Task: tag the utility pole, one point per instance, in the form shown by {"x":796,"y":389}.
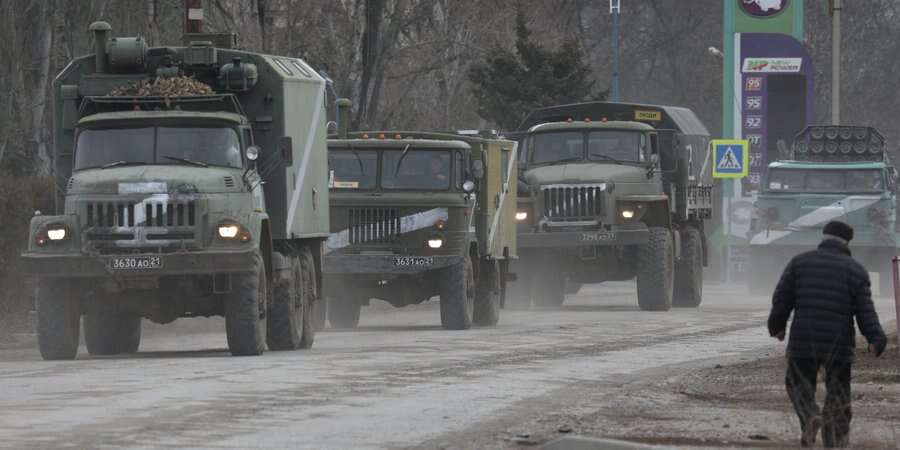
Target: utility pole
{"x":614,"y":12}
{"x":835,"y":11}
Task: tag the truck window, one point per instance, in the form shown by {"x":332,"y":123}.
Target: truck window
{"x":618,"y":145}
{"x":555,"y":147}
{"x":215,"y":146}
{"x":415,"y":169}
{"x":353,"y":169}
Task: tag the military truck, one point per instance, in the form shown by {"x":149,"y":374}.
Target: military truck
{"x":613,"y":191}
{"x":415,"y":215}
{"x":830,"y":172}
{"x":180,"y":205}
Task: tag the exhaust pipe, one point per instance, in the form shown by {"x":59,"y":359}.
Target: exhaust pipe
{"x":101,"y":36}
{"x":343,"y":112}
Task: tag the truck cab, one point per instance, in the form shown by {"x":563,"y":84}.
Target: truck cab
{"x":185,"y":196}
{"x":832,"y":173}
{"x":608,"y":192}
{"x":418,"y":214}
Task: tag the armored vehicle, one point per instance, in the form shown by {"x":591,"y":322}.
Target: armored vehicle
{"x":830,"y":172}
{"x":613,"y":191}
{"x":183,"y":202}
{"x":414,"y":215}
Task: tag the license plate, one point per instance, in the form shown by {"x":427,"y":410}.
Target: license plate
{"x":598,"y":236}
{"x":408,"y":261}
{"x":136,"y":263}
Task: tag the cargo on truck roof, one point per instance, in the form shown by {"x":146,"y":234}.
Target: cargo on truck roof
{"x":682,"y":120}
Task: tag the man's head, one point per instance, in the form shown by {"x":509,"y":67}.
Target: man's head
{"x":838,"y":230}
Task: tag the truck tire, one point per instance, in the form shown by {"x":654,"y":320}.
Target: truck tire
{"x":290,"y":319}
{"x":109,"y":333}
{"x":58,"y":320}
{"x":689,"y":270}
{"x":343,"y":311}
{"x":655,"y":271}
{"x":457,"y":289}
{"x":245,"y":311}
{"x":488,"y":295}
{"x":550,"y":289}
{"x":310,"y":298}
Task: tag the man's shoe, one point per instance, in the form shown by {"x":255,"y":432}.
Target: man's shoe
{"x":809,"y":433}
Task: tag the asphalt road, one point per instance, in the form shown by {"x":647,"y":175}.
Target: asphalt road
{"x":398,"y":381}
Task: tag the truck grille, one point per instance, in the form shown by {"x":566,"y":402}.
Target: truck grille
{"x":573,"y":202}
{"x":373,"y":225}
{"x":153,"y":214}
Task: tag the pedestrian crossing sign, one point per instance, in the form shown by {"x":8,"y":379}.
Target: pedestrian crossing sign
{"x":731,"y":158}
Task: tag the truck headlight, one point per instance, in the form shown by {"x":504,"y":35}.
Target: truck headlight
{"x":435,"y":243}
{"x":56,"y":233}
{"x":521,"y":215}
{"x":233,"y":231}
{"x":632,"y":211}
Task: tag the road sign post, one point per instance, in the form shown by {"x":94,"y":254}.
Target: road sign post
{"x":896,"y":272}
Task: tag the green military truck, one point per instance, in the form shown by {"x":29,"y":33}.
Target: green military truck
{"x":181,"y":202}
{"x":414,"y":215}
{"x":831,"y":172}
{"x":613,"y":191}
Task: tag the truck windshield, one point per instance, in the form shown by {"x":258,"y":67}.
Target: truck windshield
{"x":825,"y":181}
{"x":415,"y":169}
{"x":214,"y":146}
{"x":352,"y":169}
{"x":604,"y":145}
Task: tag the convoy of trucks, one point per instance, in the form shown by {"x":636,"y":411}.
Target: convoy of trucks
{"x":199,"y":180}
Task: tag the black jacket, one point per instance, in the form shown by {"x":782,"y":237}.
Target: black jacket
{"x":826,"y":288}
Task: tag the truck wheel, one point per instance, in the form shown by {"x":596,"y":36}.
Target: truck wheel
{"x":290,"y":320}
{"x":59,"y":318}
{"x":343,"y":311}
{"x":311,"y":299}
{"x":107,"y":333}
{"x":488,"y":295}
{"x":689,"y":270}
{"x":655,"y":267}
{"x":245,"y":311}
{"x":457,"y":289}
{"x":549,"y":289}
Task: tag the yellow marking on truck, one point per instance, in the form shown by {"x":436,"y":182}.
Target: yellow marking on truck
{"x":654,"y":116}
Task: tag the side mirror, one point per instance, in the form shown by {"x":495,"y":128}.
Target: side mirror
{"x":252,"y":153}
{"x":654,"y":159}
{"x":468,"y":186}
{"x":478,"y":169}
{"x":286,"y":149}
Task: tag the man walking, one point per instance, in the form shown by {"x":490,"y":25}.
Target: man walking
{"x":825,"y":288}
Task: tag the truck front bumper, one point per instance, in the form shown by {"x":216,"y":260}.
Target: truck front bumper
{"x":617,"y":236}
{"x":98,"y":266}
{"x":386,"y":264}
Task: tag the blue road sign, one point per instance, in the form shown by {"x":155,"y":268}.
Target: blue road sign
{"x":731,"y":158}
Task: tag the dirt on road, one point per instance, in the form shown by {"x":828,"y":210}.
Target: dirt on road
{"x":737,"y":404}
